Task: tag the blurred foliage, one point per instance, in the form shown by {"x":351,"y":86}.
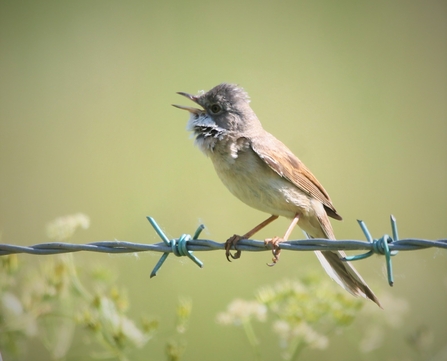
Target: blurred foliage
{"x":176,"y":347}
{"x":52,"y":302}
{"x":304,"y":313}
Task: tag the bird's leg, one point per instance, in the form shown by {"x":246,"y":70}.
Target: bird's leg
{"x":232,"y":241}
{"x":275,"y":241}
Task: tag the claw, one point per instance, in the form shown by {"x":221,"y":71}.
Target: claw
{"x":276,"y":250}
{"x":231,"y":243}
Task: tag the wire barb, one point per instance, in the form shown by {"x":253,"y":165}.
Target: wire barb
{"x":379,"y":246}
{"x":185,"y":245}
{"x":178,"y":246}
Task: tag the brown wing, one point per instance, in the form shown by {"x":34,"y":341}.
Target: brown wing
{"x":292,"y":169}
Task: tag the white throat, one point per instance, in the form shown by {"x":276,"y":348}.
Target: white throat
{"x":207,"y":133}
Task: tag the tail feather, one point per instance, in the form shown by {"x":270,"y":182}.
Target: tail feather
{"x":340,"y":271}
{"x":345,"y":274}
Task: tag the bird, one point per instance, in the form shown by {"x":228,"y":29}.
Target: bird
{"x":262,"y":172}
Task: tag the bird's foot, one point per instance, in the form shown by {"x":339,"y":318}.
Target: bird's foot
{"x":231,"y":243}
{"x":276,"y":251}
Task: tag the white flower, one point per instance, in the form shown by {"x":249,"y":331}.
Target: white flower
{"x":132,"y":332}
{"x":12,"y":304}
{"x":119,"y":324}
{"x":282,"y":329}
{"x":14,"y":315}
{"x":63,"y":228}
{"x":240,"y":311}
{"x":303,"y":331}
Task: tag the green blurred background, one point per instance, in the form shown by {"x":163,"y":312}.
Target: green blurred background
{"x":357,"y":90}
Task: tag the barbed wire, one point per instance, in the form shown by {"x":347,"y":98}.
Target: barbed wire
{"x":186,"y":244}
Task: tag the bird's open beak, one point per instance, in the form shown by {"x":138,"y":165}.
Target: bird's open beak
{"x":189,"y":109}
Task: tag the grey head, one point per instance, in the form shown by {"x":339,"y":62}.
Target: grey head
{"x":226,"y":111}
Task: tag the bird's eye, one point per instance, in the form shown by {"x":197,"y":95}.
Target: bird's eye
{"x":215,"y":108}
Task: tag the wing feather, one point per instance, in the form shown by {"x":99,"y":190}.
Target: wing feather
{"x":281,"y":160}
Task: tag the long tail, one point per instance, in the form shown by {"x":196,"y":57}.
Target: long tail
{"x":345,"y":274}
{"x":340,"y":271}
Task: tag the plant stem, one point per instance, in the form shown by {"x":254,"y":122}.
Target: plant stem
{"x":298,"y":348}
{"x":249,"y":332}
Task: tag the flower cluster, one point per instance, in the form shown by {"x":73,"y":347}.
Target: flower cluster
{"x":63,"y":228}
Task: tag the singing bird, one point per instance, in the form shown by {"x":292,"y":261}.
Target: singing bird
{"x":263,"y":173}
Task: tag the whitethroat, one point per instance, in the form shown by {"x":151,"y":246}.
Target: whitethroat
{"x":263,"y":173}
